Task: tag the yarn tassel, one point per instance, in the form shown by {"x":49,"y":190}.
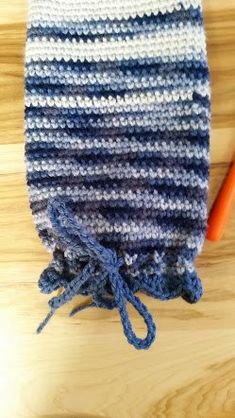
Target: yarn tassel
{"x":73,"y":236}
{"x":82,"y":308}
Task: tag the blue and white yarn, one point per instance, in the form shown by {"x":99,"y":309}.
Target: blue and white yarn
{"x":117,"y":124}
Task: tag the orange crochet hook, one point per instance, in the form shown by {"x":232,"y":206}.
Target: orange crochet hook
{"x":222,"y":207}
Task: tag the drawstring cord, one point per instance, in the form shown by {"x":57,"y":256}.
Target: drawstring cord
{"x":74,"y":237}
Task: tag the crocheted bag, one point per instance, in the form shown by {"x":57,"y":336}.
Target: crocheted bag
{"x":117,"y":110}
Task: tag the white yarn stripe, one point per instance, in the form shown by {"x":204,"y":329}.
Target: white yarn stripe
{"x":132,"y":231}
{"x":133,"y":120}
{"x":180,"y":42}
{"x":133,"y":101}
{"x":56,"y":11}
{"x":58,"y":167}
{"x":138,"y":111}
{"x":122,"y":145}
{"x":137,"y":199}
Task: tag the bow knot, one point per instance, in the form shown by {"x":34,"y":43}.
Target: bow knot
{"x":73,"y":236}
{"x":112,"y":262}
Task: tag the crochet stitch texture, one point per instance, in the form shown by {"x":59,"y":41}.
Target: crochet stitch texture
{"x":117,"y":123}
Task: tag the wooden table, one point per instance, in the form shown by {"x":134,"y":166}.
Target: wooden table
{"x":82,"y":366}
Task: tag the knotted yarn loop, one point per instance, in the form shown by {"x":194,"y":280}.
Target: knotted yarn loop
{"x":73,"y":236}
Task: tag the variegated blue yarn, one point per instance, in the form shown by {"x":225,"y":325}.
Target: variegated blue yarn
{"x":117,"y":123}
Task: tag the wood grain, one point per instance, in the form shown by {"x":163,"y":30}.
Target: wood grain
{"x":82,"y":366}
